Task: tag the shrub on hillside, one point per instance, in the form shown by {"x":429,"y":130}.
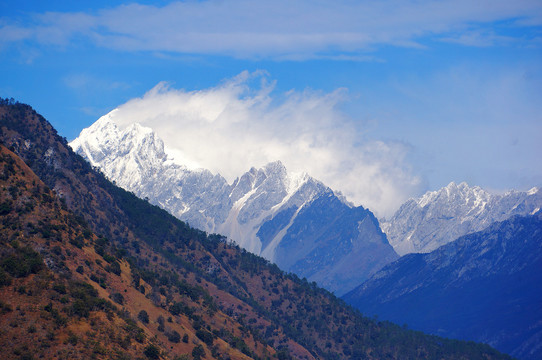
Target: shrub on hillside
{"x":143,"y":316}
{"x":152,"y":352}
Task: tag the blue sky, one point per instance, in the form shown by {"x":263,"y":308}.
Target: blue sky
{"x":412,"y":94}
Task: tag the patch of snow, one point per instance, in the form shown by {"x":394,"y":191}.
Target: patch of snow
{"x":446,"y":214}
{"x":269,"y":251}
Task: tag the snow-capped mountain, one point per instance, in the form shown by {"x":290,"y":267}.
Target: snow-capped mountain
{"x":438,"y":217}
{"x":484,"y":286}
{"x":291,"y":219}
{"x":135,"y":159}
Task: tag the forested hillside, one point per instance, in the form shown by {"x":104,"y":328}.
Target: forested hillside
{"x":104,"y":272}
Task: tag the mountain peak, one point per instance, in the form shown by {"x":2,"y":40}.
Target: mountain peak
{"x":459,"y":192}
{"x":438,"y":217}
{"x":291,"y":181}
{"x":143,"y":139}
{"x":258,"y":210}
{"x":104,"y":120}
{"x":275,"y":166}
{"x":137,"y":128}
{"x":97,"y":140}
{"x":454,"y":187}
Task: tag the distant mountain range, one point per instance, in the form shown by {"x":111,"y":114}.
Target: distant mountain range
{"x":422,"y":225}
{"x":482,"y":287}
{"x":485,"y":287}
{"x":292,"y":220}
{"x":89,"y":270}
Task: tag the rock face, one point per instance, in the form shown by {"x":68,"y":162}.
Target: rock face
{"x":483,"y":287}
{"x":438,"y":217}
{"x":136,"y":160}
{"x":290,"y":219}
{"x":330,"y":243}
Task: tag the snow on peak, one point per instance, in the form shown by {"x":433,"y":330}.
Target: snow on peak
{"x":97,"y":140}
{"x":441,"y":216}
{"x":103,"y":121}
{"x":426,"y":198}
{"x":137,"y":159}
{"x":142,"y":139}
{"x":138,"y":130}
{"x":275,"y":167}
{"x":295,"y":181}
{"x":453,"y":192}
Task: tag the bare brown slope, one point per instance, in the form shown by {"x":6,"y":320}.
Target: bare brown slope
{"x":217,"y":282}
{"x":67,"y":293}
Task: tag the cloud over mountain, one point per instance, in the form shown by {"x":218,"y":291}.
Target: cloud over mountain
{"x":243,"y":122}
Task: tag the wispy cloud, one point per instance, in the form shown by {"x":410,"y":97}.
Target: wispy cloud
{"x":479,"y":123}
{"x":485,"y":38}
{"x":243,"y":123}
{"x":277,"y":29}
{"x":86,"y":82}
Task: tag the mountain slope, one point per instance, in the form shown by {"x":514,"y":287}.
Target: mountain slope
{"x":237,"y":302}
{"x":438,"y":217}
{"x":67,"y":293}
{"x":334,"y":245}
{"x":484,"y":287}
{"x":262,"y":211}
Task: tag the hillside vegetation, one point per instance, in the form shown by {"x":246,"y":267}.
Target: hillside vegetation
{"x":104,"y":274}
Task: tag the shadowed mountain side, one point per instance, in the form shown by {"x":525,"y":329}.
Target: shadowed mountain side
{"x":483,"y":287}
{"x":323,"y":246}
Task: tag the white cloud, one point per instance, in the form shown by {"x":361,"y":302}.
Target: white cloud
{"x":481,"y":39}
{"x":85,"y":82}
{"x":243,"y":123}
{"x":278,"y":29}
